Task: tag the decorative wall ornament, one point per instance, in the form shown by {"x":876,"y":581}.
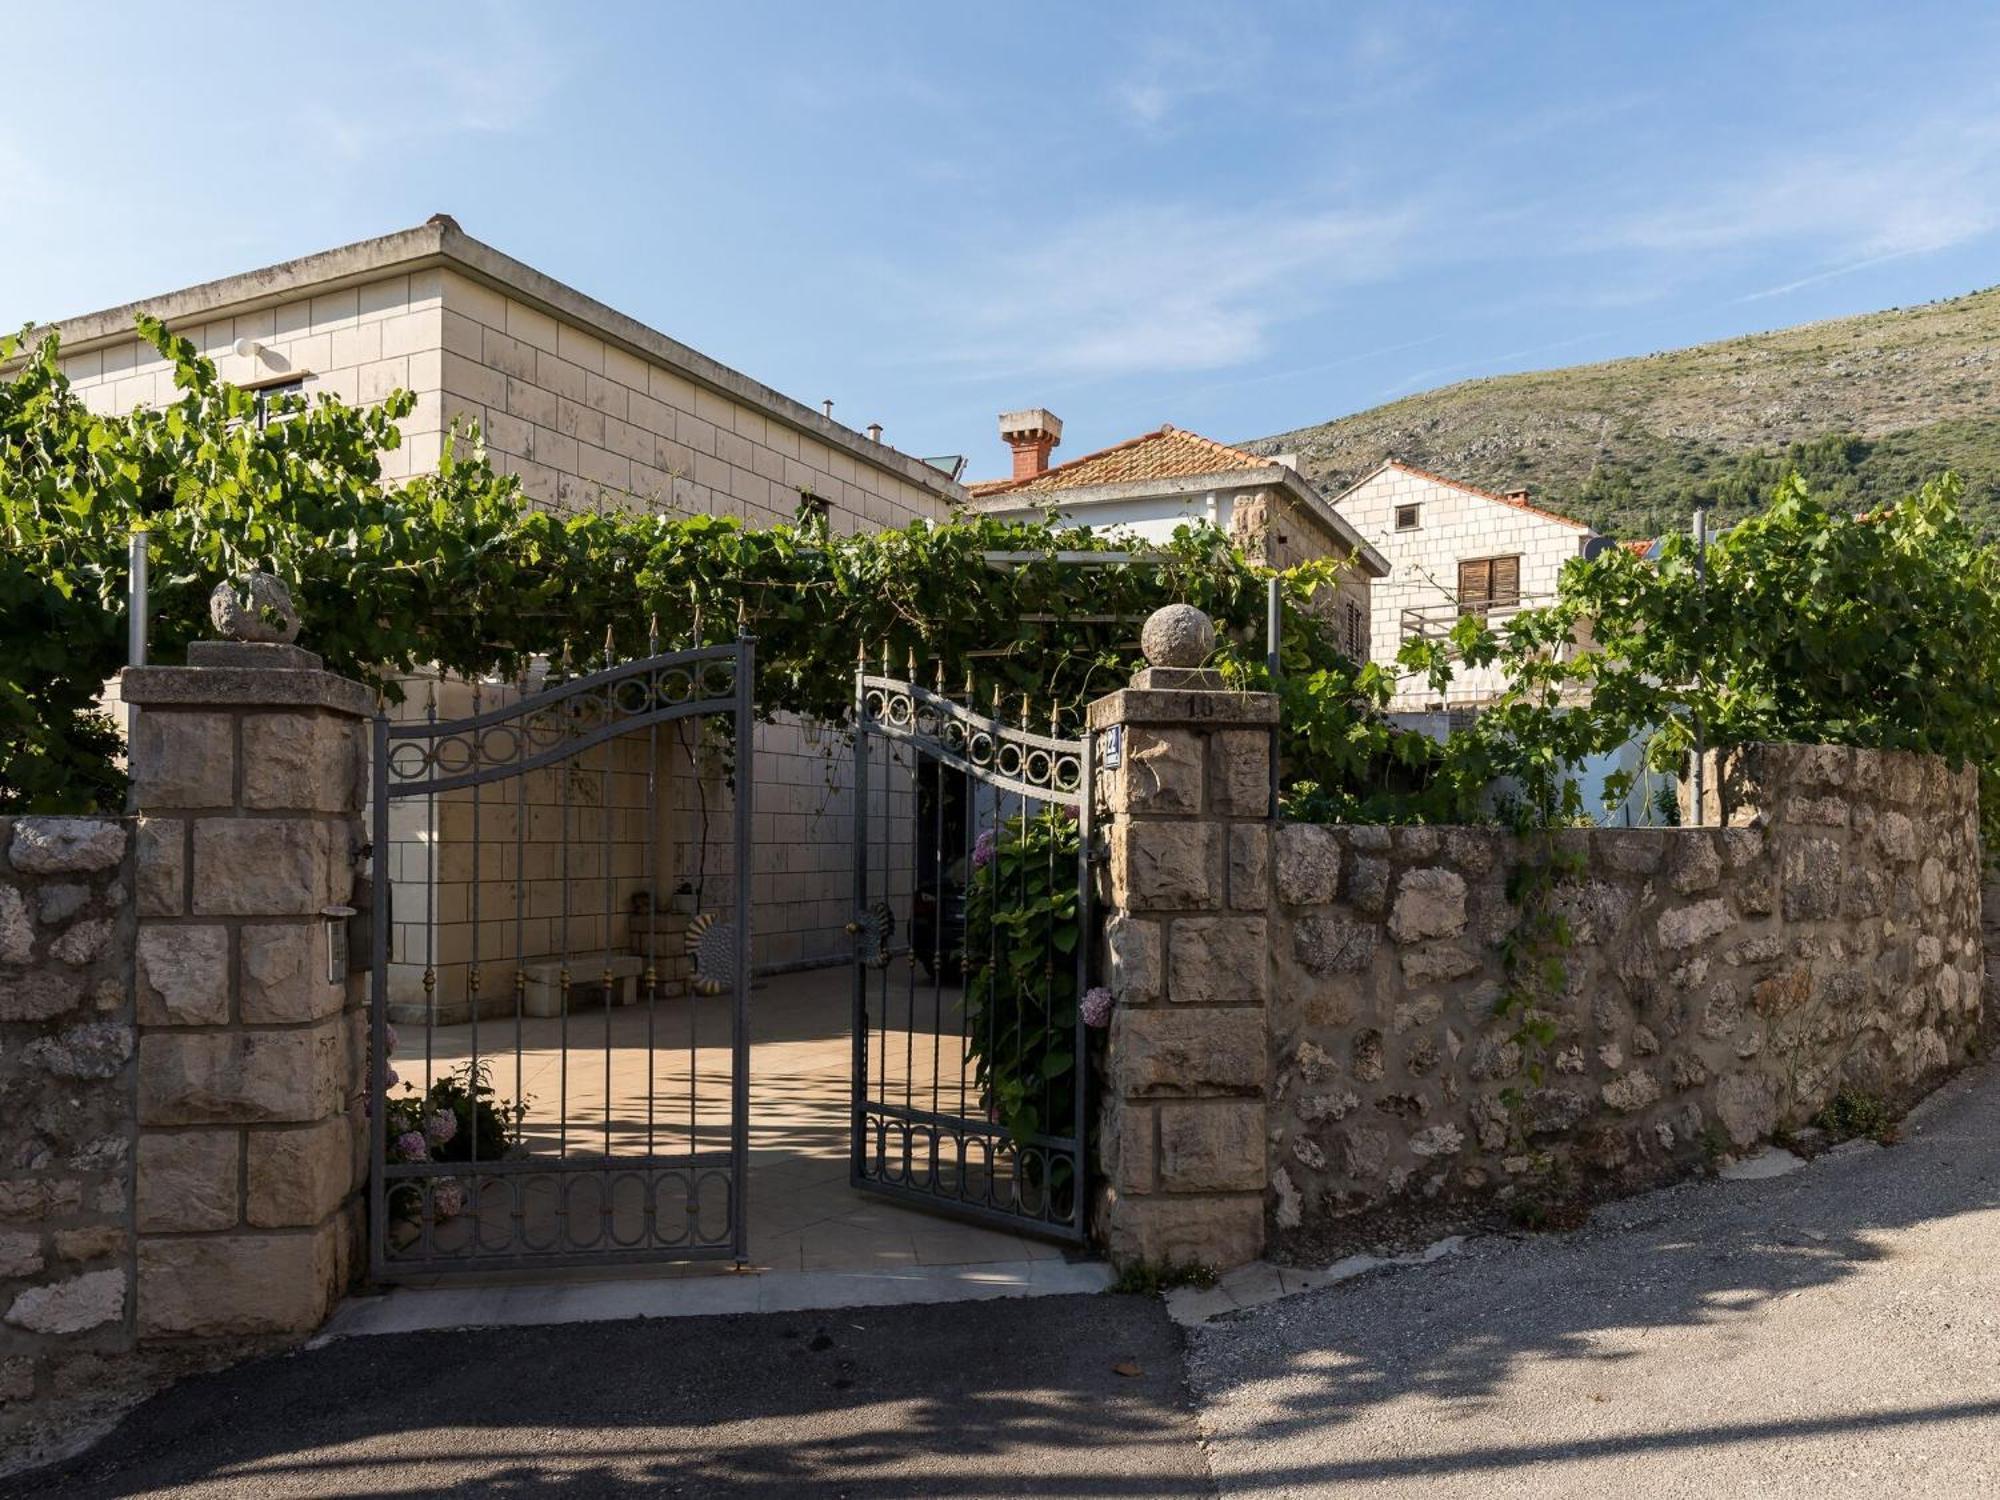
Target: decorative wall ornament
{"x":258,"y":608}
{"x":711,"y":948}
{"x":1177,"y":635}
{"x":873,"y":930}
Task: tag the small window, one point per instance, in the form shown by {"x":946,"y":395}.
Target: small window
{"x":1406,"y":517}
{"x":1488,"y":583}
{"x":1353,"y":637}
{"x":266,"y":399}
{"x":814,"y":511}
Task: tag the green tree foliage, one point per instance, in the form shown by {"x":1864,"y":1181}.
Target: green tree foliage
{"x":1842,"y":468}
{"x":1806,"y":622}
{"x":1022,"y":928}
{"x":453,"y":568}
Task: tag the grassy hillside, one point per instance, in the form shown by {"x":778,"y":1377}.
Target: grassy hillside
{"x":1865,"y":407}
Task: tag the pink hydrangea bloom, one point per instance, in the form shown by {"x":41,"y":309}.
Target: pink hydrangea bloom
{"x":410,"y":1144}
{"x":448,"y":1199}
{"x":983,"y":849}
{"x":440,"y":1127}
{"x":1097,"y":1006}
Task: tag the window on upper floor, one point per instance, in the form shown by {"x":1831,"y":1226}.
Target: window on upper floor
{"x":1408,"y":517}
{"x":1353,"y":632}
{"x":1487,"y":583}
{"x":813,"y":512}
{"x":267,"y":399}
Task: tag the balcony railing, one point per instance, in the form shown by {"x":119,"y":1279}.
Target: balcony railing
{"x":1434,"y":622}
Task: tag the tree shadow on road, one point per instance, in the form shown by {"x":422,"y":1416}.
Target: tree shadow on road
{"x":986,"y":1399}
{"x":1693,"y":1268}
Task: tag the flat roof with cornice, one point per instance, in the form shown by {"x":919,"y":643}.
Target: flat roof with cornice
{"x":440,"y":242}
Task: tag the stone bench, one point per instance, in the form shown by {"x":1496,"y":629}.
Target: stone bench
{"x":541,"y":994}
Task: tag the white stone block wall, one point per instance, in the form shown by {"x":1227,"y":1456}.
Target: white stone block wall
{"x":587,"y":425}
{"x":1454,"y":525}
{"x":359,"y":343}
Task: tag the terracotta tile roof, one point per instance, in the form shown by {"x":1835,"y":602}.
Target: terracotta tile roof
{"x":1171,"y":453}
{"x":1458,"y":484}
{"x":1639,"y":549}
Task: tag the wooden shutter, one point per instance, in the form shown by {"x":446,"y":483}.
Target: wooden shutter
{"x":1475,"y":585}
{"x":1487,"y":581}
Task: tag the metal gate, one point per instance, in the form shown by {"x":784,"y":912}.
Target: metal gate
{"x":971,"y":926}
{"x":572,"y":1049}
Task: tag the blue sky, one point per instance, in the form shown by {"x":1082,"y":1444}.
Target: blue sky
{"x":1240,"y":219}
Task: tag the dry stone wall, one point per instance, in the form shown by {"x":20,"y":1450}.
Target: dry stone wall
{"x":1722,"y":985}
{"x":66,"y":1116}
{"x":1990,"y":920}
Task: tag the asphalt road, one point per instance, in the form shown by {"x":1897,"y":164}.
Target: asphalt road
{"x":978,"y":1399}
{"x":1831,"y":1333}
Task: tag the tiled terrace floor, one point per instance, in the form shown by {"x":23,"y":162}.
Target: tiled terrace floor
{"x":803,"y":1216}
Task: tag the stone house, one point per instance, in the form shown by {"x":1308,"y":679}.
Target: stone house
{"x":592,"y":410}
{"x":1147,"y":486}
{"x":1453,"y":548}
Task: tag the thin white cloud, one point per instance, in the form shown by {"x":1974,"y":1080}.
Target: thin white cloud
{"x":1925,"y":190}
{"x":500,"y":74}
{"x":1160,"y":288}
{"x":1832,"y":273}
{"x":1202,"y":57}
{"x":24,"y":182}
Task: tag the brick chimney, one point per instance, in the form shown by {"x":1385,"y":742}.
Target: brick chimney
{"x":1519,"y":497}
{"x":1031,"y":434}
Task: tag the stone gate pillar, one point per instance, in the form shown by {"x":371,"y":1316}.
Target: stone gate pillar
{"x":1186,"y":800}
{"x":249,"y":773}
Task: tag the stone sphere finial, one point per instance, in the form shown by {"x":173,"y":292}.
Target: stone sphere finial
{"x":258,"y":608}
{"x":1178,"y":635}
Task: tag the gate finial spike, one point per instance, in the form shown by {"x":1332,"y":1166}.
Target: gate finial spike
{"x":565,"y":660}
{"x":431,"y":698}
{"x":610,"y":649}
{"x":970,"y":701}
{"x":940,"y":676}
{"x":653,"y":633}
{"x":1027,"y":712}
{"x":885,"y":656}
{"x":1055,"y":719}
{"x":911,"y":673}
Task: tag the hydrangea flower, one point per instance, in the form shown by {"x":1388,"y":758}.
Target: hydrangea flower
{"x":448,"y":1199}
{"x":440,"y":1127}
{"x":412,"y":1147}
{"x":984,"y":848}
{"x":1097,"y":1006}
